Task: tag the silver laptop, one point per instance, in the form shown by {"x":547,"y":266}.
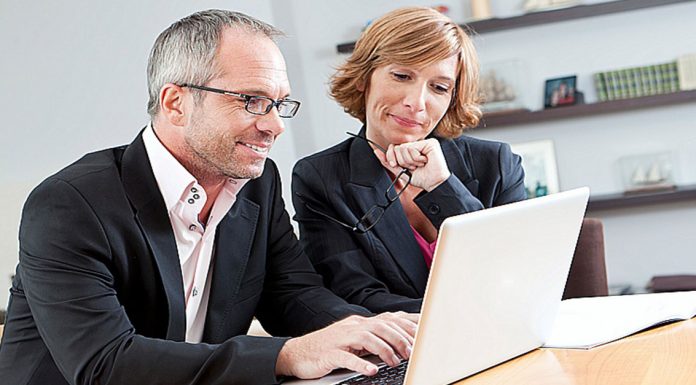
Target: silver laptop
{"x":494,"y":288}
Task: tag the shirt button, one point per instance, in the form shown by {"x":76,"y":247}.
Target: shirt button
{"x":434,"y":209}
{"x":195,"y":292}
{"x":196,"y":196}
{"x":193,"y":227}
{"x":194,"y":190}
{"x":191,"y":201}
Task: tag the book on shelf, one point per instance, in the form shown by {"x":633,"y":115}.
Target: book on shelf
{"x":659,"y":79}
{"x":612,"y":85}
{"x":624,"y":86}
{"x":647,"y":80}
{"x":636,"y":82}
{"x":600,"y":86}
{"x":686,"y":68}
{"x":583,"y":323}
{"x":673,"y":77}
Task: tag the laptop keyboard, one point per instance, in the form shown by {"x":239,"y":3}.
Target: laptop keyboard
{"x":386,"y":375}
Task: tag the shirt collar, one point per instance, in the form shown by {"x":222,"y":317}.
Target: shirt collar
{"x":173,"y":179}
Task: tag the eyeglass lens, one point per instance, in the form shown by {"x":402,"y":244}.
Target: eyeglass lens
{"x":370,"y":219}
{"x":393,"y":191}
{"x":261,"y":106}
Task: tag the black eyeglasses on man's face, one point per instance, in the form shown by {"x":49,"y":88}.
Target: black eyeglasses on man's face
{"x":255,"y":104}
{"x":376,"y":212}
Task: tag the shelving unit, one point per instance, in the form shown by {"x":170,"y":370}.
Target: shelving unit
{"x":515,"y":117}
{"x":623,"y":200}
{"x":551,"y":16}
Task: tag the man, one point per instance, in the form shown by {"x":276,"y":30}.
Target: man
{"x":145,"y":263}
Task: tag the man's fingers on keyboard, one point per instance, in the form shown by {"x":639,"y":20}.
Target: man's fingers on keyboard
{"x":355,"y":363}
{"x":376,"y":346}
{"x":413,"y":317}
{"x":396,"y":336}
{"x":405,"y":327}
{"x":404,"y":323}
{"x":390,"y":333}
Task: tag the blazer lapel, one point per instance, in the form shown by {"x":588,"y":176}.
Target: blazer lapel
{"x":151,"y":215}
{"x":457,"y":164}
{"x":233,"y":241}
{"x":368,"y":183}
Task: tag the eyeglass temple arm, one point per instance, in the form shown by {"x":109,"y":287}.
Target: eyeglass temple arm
{"x":368,"y":141}
{"x":327,"y":216}
{"x":405,"y":170}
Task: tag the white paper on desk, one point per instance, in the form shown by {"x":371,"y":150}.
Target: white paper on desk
{"x":583,"y":323}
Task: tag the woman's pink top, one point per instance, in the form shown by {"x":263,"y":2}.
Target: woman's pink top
{"x":428,"y":249}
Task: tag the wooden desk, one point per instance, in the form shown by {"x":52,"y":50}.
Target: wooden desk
{"x":664,"y":355}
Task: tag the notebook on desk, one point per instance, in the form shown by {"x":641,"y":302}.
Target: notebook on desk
{"x":494,"y":288}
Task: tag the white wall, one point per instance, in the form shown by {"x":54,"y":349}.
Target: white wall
{"x":73,"y":81}
{"x":640,"y":242}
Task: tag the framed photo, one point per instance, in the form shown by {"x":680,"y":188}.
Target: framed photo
{"x":539,"y":163}
{"x":560,"y":92}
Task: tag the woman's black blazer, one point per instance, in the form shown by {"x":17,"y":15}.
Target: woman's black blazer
{"x":384,"y":269}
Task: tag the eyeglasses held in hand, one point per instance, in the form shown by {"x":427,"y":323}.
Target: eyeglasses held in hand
{"x":376,"y":212}
{"x":255,"y":104}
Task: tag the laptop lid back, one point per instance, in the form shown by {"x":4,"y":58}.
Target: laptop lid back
{"x":495,"y":285}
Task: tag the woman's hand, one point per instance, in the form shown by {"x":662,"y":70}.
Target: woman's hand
{"x":423,"y":158}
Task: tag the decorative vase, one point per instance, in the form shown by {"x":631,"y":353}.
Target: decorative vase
{"x":481,"y":9}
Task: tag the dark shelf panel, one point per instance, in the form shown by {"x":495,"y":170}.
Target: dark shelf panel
{"x":622,"y":200}
{"x":499,"y":119}
{"x":551,"y":16}
{"x":570,"y":13}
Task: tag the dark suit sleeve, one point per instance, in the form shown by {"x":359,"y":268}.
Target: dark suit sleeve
{"x":295,"y":300}
{"x":335,"y":250}
{"x":453,"y":198}
{"x":65,"y":268}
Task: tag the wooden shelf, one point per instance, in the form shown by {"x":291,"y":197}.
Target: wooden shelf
{"x":515,"y":117}
{"x":551,"y":16}
{"x":570,"y":13}
{"x":622,"y":200}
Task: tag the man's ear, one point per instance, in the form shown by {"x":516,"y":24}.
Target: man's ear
{"x":172,"y":102}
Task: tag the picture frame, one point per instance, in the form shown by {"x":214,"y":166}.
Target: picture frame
{"x":540,"y":170}
{"x":560,"y":92}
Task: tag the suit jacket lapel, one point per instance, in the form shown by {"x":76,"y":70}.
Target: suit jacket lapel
{"x":151,"y":214}
{"x":368,"y":183}
{"x":458,"y":166}
{"x":233,"y":241}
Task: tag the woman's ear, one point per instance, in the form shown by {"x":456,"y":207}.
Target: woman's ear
{"x":361,"y":85}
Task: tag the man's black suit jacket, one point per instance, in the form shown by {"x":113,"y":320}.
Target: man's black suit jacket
{"x":98,"y":294}
{"x":384,"y":269}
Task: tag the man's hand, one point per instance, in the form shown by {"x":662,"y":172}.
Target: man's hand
{"x":388,"y":335}
{"x":423,"y":158}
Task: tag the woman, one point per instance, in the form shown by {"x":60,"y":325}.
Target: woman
{"x":369,"y":208}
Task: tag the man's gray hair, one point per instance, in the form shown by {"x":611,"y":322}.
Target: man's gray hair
{"x":185,"y":52}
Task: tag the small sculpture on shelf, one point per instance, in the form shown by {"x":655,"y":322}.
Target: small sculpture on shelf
{"x":647,"y":172}
{"x":542,"y":5}
{"x":501,"y":85}
{"x":538,"y":190}
{"x":481,"y":9}
{"x":496,"y":89}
